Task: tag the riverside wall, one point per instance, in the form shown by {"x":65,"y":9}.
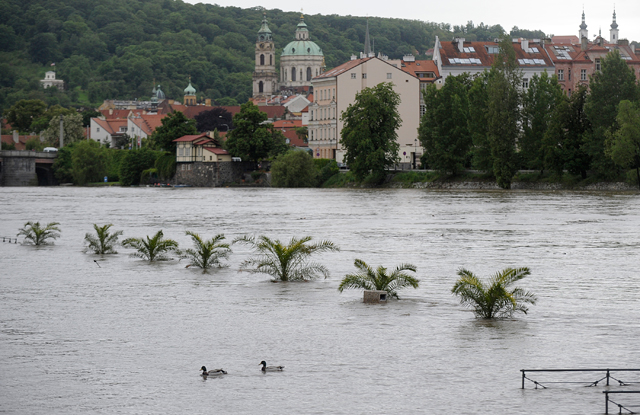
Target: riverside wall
{"x":199,"y":174}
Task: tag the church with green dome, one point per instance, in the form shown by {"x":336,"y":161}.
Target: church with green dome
{"x":300,"y":61}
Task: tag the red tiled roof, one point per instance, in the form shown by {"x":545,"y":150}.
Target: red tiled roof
{"x":22,"y":140}
{"x":148,"y":122}
{"x":111,"y":126}
{"x":417,"y":67}
{"x":216,"y":150}
{"x":272,"y":111}
{"x":287,"y":123}
{"x":482,"y":58}
{"x":115,"y":114}
{"x":565,"y":40}
{"x":293,"y":138}
{"x":188,"y":138}
{"x":342,"y":68}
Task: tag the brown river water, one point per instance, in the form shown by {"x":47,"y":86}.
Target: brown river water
{"x":122,"y":336}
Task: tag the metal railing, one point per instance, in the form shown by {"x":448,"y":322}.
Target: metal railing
{"x":606,"y":372}
{"x":620,"y":406}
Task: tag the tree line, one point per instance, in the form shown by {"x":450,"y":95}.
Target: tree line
{"x":114,"y":49}
{"x":492,"y":123}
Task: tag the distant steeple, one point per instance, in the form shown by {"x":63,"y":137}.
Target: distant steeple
{"x":583,"y":28}
{"x":613,"y":33}
{"x":367,"y":42}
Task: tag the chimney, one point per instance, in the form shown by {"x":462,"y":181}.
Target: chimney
{"x":207,"y":102}
{"x":409,"y":58}
{"x":584,"y":43}
{"x":16,"y":137}
{"x":110,"y":111}
{"x":461,"y":44}
{"x":525,"y":45}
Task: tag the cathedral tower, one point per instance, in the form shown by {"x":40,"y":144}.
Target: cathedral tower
{"x":583,"y":29}
{"x":613,"y":33}
{"x":265,"y":78}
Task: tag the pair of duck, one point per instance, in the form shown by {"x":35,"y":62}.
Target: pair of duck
{"x":218,"y":372}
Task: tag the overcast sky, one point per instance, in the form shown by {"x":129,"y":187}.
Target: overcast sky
{"x":562,"y":18}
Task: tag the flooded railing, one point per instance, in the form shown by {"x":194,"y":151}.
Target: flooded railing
{"x":607,"y":376}
{"x":620,"y":406}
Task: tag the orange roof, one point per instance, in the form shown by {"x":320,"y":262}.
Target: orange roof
{"x":114,"y":114}
{"x":418,"y":68}
{"x":148,"y":122}
{"x":287,"y":123}
{"x":565,"y":40}
{"x":342,"y":68}
{"x":272,"y":111}
{"x":22,"y":140}
{"x":111,"y":126}
{"x":188,"y":138}
{"x":536,"y":56}
{"x":216,"y":150}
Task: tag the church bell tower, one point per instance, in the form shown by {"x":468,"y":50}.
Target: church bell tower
{"x":265,"y":78}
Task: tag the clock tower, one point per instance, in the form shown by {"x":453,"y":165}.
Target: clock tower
{"x":265,"y":78}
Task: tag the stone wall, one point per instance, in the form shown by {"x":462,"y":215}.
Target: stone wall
{"x":18,"y":171}
{"x":218,"y":174}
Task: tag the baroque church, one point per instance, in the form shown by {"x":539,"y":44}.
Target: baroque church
{"x":300,"y":61}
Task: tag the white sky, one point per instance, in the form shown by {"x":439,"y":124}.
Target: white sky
{"x":558,"y":18}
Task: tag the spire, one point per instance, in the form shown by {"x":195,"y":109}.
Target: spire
{"x":614,"y":25}
{"x":583,"y":26}
{"x":367,"y":42}
{"x":264,"y":34}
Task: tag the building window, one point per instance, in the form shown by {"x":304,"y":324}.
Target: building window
{"x":525,"y":83}
{"x":98,"y":128}
{"x":560,"y":74}
{"x":293,"y":74}
{"x":308,"y":74}
{"x":493,"y":49}
{"x":262,"y":60}
{"x":389,"y":76}
{"x":569,"y":73}
{"x":423,"y":110}
{"x":598,"y":66}
{"x":353,"y":76}
{"x":583,"y":74}
{"x":364,"y":76}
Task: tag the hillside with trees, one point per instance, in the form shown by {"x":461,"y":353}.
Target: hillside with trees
{"x":115,"y":49}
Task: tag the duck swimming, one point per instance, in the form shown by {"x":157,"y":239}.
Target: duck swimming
{"x":266,"y":368}
{"x":213,"y":372}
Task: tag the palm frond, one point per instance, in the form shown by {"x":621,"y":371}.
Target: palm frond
{"x":379,"y":279}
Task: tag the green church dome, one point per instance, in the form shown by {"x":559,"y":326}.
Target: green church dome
{"x":302,"y":48}
{"x":189,"y":90}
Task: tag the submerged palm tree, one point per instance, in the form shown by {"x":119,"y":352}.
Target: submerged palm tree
{"x":151,"y":249}
{"x":103,"y":242}
{"x":286,"y":262}
{"x":369,"y":279}
{"x":34,"y":234}
{"x":207,"y":253}
{"x":494,"y":300}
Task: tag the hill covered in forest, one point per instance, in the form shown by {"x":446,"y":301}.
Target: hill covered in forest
{"x":105,"y":49}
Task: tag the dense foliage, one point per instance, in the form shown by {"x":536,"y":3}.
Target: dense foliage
{"x":207,"y":253}
{"x":294,"y":169}
{"x":154,"y":248}
{"x":369,"y":134}
{"x":103,"y":242}
{"x":115,"y":48}
{"x":36,"y":234}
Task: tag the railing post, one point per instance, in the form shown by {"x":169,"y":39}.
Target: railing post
{"x":606,"y":402}
{"x":522,"y":378}
{"x":607,"y":377}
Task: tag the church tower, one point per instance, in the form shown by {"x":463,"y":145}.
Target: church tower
{"x":190,"y":94}
{"x":583,"y":29}
{"x":265,"y":78}
{"x":613,"y":33}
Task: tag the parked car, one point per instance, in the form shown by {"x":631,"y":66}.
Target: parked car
{"x":50,"y":150}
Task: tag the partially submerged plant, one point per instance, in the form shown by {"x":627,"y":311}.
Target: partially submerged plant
{"x":369,"y":279}
{"x":103,"y":242}
{"x":34,"y":234}
{"x":207,"y":253}
{"x":151,"y":249}
{"x":494,"y":299}
{"x":288,"y":262}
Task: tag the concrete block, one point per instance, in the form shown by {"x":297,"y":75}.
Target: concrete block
{"x":375,"y":297}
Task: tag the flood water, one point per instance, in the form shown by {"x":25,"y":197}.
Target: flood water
{"x":122,"y":336}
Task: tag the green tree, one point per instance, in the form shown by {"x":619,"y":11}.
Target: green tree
{"x":22,"y":113}
{"x":294,"y":169}
{"x":166,"y":165}
{"x":134,"y":163}
{"x":35,"y":234}
{"x":44,"y":48}
{"x":71,"y":127}
{"x":251,"y":139}
{"x":327,"y":168}
{"x":215,"y":119}
{"x":478,"y":125}
{"x":503,"y":113}
{"x":539,"y":102}
{"x":288,"y":262}
{"x":494,"y":299}
{"x":614,"y":83}
{"x":444,"y":131}
{"x":207,"y":253}
{"x":379,"y":279}
{"x":623,"y":146}
{"x":63,"y":165}
{"x":34,"y":144}
{"x":369,"y":134}
{"x":89,"y":162}
{"x":103,"y":242}
{"x":173,"y":127}
{"x":151,"y":249}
